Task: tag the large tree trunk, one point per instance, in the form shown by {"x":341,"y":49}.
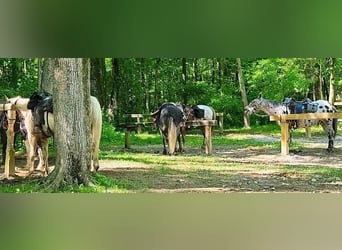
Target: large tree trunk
{"x":243,"y":92}
{"x":46,"y":74}
{"x":72,"y":122}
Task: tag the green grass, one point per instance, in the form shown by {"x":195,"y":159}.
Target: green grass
{"x":182,"y":169}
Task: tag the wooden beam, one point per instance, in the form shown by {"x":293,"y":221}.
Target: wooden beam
{"x":7,"y":106}
{"x":198,"y":123}
{"x":307,"y":116}
{"x":284,"y":138}
{"x":207,"y":139}
{"x":10,"y":160}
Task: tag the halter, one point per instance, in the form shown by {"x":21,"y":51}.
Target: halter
{"x":262,"y":116}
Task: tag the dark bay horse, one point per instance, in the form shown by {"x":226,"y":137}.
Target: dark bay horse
{"x":168,"y":118}
{"x":286,"y":107}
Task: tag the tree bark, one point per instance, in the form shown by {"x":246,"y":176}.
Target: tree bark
{"x":184,"y":80}
{"x":98,"y":79}
{"x":113,"y":102}
{"x":72,"y":122}
{"x":46,"y":75}
{"x":243,"y":92}
{"x":332,"y":86}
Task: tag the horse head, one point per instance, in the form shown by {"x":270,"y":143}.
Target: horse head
{"x":254,"y":106}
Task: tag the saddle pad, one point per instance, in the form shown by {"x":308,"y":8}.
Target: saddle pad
{"x":299,"y":108}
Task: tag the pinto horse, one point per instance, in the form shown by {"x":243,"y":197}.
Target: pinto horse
{"x":202,"y":112}
{"x":36,"y":138}
{"x":168,"y":118}
{"x":278,"y":108}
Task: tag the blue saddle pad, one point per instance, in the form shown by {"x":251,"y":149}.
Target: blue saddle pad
{"x":299,"y":108}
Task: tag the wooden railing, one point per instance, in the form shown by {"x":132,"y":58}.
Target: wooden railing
{"x":10,"y":159}
{"x":144,"y":121}
{"x":284,"y":124}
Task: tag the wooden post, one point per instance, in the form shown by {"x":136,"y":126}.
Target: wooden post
{"x":308,"y":132}
{"x":128,"y":138}
{"x":10,"y":160}
{"x":207,"y":139}
{"x":220,"y":116}
{"x":284,"y":138}
{"x":138,"y":116}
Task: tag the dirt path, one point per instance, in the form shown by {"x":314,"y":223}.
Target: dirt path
{"x":229,"y":169}
{"x":252,"y":175}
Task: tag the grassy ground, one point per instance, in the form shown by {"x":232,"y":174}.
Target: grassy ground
{"x":144,"y":169}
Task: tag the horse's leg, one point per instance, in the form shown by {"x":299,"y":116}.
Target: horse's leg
{"x":43,"y":155}
{"x":203,"y":133}
{"x":95,"y":154}
{"x":328,"y":128}
{"x":180,"y":143}
{"x":183,"y":131}
{"x":32,"y":145}
{"x":165,"y":143}
{"x":4,"y":145}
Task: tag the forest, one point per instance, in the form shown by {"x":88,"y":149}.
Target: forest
{"x":141,"y":85}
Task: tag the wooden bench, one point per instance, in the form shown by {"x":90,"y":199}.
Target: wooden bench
{"x":284,"y":125}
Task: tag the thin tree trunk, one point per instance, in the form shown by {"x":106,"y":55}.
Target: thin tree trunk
{"x":243,"y":92}
{"x":156,"y":89}
{"x":113,"y":102}
{"x":184,"y":80}
{"x":145,"y":85}
{"x":72,"y":122}
{"x":195,"y":66}
{"x":332,"y":86}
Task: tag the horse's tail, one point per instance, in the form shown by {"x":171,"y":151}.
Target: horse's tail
{"x":96,"y":130}
{"x":214,"y":114}
{"x":172,"y":136}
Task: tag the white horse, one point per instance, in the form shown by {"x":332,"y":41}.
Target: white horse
{"x":278,"y":108}
{"x":40,"y":140}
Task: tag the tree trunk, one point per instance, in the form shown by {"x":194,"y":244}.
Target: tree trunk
{"x":72,"y":122}
{"x":332,"y":86}
{"x":46,"y":74}
{"x":156,"y":88}
{"x":113,"y":102}
{"x":98,"y":79}
{"x":184,"y":79}
{"x":243,"y":92}
{"x":195,"y":66}
{"x":145,"y":85}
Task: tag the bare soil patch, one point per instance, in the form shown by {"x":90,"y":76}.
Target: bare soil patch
{"x":244,"y":177}
{"x":237,"y":169}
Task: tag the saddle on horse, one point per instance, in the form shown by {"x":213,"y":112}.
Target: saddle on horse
{"x":299,"y":107}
